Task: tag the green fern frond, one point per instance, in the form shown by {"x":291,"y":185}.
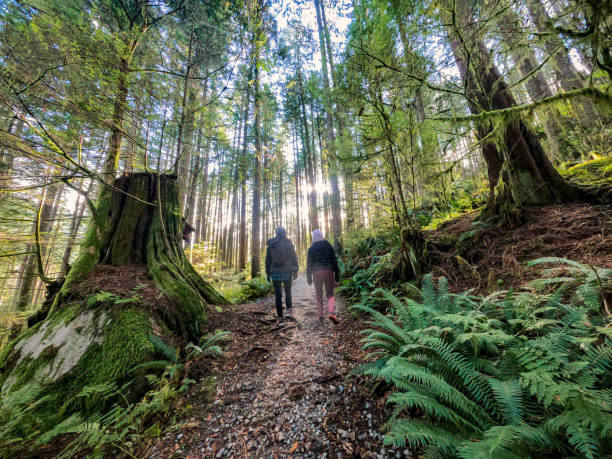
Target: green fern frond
{"x":418,"y":434}
{"x":498,"y":442}
{"x":509,"y":397}
{"x":557,"y":261}
{"x":161,"y":347}
{"x":157,"y":366}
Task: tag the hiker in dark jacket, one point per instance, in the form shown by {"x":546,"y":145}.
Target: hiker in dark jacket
{"x":323,"y":266}
{"x":281,"y":267}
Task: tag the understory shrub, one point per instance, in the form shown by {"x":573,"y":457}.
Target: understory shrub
{"x":509,"y":375}
{"x":249,"y":290}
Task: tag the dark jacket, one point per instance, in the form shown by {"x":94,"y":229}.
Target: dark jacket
{"x":281,"y":257}
{"x":321,"y":255}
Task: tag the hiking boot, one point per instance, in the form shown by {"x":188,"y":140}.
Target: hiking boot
{"x":334,"y":319}
{"x":289,"y":315}
{"x":280,"y":322}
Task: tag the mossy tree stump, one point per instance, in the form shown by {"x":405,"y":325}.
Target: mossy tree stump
{"x":91,"y":336}
{"x":139,"y":222}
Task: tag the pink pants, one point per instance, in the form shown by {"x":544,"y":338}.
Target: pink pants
{"x":324,"y":276}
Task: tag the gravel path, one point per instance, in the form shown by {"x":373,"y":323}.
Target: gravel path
{"x":285,"y":391}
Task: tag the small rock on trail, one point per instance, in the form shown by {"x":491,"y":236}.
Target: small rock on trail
{"x":285,"y":391}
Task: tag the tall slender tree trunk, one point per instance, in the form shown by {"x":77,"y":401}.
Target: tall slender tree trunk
{"x":313,"y":214}
{"x":202,"y":206}
{"x":242,"y":256}
{"x":296,"y":175}
{"x":330,"y":145}
{"x":73,"y":231}
{"x":256,"y":210}
{"x":183,"y":150}
{"x":114,"y":146}
{"x":48,"y":204}
{"x":536,"y":84}
{"x":7,"y":159}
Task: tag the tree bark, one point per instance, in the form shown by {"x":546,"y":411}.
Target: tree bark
{"x":519,"y":170}
{"x":256,"y":210}
{"x":114,"y":146}
{"x":537,"y":87}
{"x":307,"y":157}
{"x":7,"y":160}
{"x":243,"y":187}
{"x":75,"y":224}
{"x":49,"y":201}
{"x":330,"y":145}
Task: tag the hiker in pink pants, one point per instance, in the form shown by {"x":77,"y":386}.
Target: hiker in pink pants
{"x":323,"y":266}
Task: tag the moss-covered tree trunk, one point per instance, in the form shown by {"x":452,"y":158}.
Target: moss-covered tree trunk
{"x":129,"y":296}
{"x":139,"y":222}
{"x":519,"y":171}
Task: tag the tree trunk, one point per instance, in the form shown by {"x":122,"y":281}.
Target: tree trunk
{"x":137,"y":225}
{"x":255,"y":214}
{"x":75,"y":224}
{"x":7,"y":158}
{"x":185,"y":125}
{"x":330,"y":145}
{"x":519,"y":171}
{"x":30,"y":269}
{"x":537,"y":87}
{"x":313,"y":219}
{"x":114,"y":145}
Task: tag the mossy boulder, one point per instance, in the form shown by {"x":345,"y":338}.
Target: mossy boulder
{"x":57,"y":360}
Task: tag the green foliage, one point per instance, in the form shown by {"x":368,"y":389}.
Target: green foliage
{"x":106,"y":298}
{"x":369,"y":261}
{"x":594,"y":172}
{"x":477,"y":227}
{"x":161,"y":347}
{"x":508,"y":375}
{"x":249,"y":290}
{"x":588,"y":280}
{"x":210,"y":345}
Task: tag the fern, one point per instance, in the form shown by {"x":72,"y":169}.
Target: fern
{"x":507,"y":375}
{"x":164,"y":349}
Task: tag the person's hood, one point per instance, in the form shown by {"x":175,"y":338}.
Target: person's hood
{"x":281,"y":233}
{"x":317,"y":235}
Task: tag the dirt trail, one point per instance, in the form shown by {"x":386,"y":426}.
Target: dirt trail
{"x":285,"y":391}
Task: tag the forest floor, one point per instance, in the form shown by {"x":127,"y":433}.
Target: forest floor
{"x":494,"y":258}
{"x":284,"y":391}
{"x":288,"y":391}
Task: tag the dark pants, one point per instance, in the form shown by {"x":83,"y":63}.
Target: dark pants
{"x":279,"y":295}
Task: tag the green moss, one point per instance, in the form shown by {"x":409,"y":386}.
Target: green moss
{"x":33,"y":370}
{"x":125,"y":344}
{"x":63,"y":315}
{"x":189,"y":316}
{"x":595,"y":172}
{"x":89,"y":253}
{"x":8,"y":357}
